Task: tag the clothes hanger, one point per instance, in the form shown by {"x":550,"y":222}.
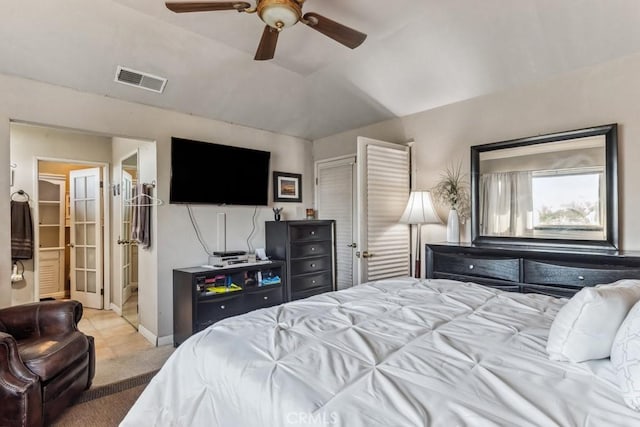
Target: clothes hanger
{"x":152,"y":201}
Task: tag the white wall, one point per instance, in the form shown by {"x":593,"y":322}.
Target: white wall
{"x":603,"y":94}
{"x":30,"y":101}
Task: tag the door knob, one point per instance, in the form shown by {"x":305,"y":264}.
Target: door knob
{"x":366,"y":254}
{"x":353,"y":245}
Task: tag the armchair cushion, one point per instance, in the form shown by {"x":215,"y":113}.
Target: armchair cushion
{"x":48,"y":356}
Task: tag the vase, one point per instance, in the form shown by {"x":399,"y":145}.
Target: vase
{"x":453,"y":227}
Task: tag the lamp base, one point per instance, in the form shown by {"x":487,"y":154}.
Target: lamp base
{"x":416,"y":272}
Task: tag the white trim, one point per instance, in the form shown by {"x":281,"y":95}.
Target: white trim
{"x":149,"y":336}
{"x":115,"y":309}
{"x":166,"y":340}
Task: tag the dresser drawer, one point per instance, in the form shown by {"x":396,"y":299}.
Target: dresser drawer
{"x":310,"y":265}
{"x":309,"y":292}
{"x":549,"y":273}
{"x":311,"y":232}
{"x":465,"y":265}
{"x":554,"y":291}
{"x":264,"y":298}
{"x":311,"y":281}
{"x":211,"y":310}
{"x":307,"y":249}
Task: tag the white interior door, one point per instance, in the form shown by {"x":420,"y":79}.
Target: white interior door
{"x":383,"y":188}
{"x":86,"y":262}
{"x":335,"y":199}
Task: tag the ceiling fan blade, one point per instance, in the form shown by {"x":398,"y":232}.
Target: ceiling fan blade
{"x":340,"y":33}
{"x":207,"y":6}
{"x":267,"y":47}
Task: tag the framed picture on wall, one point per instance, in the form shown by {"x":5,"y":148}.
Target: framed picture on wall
{"x":287,"y":187}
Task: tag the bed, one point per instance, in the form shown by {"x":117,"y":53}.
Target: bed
{"x":397,"y":352}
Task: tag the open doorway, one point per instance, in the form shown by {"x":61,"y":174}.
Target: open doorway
{"x":38,"y":152}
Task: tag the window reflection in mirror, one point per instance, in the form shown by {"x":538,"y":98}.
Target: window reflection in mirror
{"x":547,"y":188}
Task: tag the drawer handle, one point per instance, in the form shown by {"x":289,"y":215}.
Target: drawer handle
{"x":580,"y":277}
{"x":313,"y":281}
{"x":313,"y":265}
{"x":222,"y":307}
{"x":265,"y":298}
{"x":471,"y":266}
{"x":313,"y":233}
{"x":313,"y":248}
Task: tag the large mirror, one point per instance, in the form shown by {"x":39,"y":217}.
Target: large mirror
{"x":129,"y":248}
{"x":549,"y":190}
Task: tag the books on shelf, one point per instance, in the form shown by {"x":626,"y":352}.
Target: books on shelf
{"x":222,"y":289}
{"x":273,"y":280}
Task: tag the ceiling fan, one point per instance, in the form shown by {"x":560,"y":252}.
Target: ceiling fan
{"x":278,"y":15}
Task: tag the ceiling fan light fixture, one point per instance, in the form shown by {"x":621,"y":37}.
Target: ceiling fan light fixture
{"x":279,"y":14}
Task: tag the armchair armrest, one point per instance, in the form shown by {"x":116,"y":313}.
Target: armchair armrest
{"x":41,"y":318}
{"x":20,"y":391}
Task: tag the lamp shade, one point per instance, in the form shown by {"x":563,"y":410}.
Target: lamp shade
{"x":420,"y":209}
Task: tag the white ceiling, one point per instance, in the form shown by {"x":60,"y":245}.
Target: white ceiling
{"x":418,"y":55}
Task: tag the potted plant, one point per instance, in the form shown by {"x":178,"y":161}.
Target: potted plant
{"x":453,"y":191}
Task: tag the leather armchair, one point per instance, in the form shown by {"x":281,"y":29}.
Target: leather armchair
{"x":45,"y":361}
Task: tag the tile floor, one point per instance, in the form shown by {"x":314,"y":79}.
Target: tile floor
{"x":114,"y":336}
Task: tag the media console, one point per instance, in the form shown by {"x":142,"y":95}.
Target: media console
{"x":203,"y":295}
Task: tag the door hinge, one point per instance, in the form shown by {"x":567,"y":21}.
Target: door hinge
{"x":316,"y":181}
{"x":101,"y":184}
{"x":102,"y":291}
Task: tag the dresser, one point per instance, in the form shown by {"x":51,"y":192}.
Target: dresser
{"x":554,"y":272}
{"x":195,"y":307}
{"x":308,"y":250}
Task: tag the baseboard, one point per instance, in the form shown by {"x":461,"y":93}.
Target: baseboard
{"x":115,"y":309}
{"x":166,"y":340}
{"x":150,"y":336}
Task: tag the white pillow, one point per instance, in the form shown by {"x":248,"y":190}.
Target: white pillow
{"x":625,"y":358}
{"x":585,"y":327}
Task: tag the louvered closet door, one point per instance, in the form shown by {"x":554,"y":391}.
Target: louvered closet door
{"x":335,"y":200}
{"x":383,"y":189}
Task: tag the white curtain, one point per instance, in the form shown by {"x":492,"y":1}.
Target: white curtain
{"x":506,"y":204}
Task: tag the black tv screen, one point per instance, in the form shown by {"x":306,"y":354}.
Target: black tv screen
{"x":207,"y":173}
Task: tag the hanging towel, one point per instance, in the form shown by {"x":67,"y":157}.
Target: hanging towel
{"x":141,"y":218}
{"x":21,"y":231}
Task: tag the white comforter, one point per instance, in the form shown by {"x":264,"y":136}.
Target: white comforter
{"x":401,"y":352}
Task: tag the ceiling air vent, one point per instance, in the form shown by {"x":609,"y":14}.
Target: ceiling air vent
{"x":135,"y":78}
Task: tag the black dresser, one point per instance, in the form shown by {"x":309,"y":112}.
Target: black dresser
{"x":308,"y":250}
{"x":195,"y":308}
{"x":554,"y":272}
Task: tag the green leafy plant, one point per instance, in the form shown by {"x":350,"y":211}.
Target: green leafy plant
{"x":453,"y":191}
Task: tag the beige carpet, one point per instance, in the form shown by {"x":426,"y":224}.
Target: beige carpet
{"x":116,"y":386}
{"x":117,"y":369}
{"x":107,"y":411}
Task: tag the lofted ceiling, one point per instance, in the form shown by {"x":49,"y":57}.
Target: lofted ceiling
{"x":418,"y":55}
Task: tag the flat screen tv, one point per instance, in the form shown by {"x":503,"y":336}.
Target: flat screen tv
{"x":208,"y":173}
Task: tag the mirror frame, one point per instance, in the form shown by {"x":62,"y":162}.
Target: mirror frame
{"x":610,"y":132}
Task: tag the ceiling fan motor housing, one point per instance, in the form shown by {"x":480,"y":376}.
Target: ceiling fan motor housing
{"x":279,"y":14}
